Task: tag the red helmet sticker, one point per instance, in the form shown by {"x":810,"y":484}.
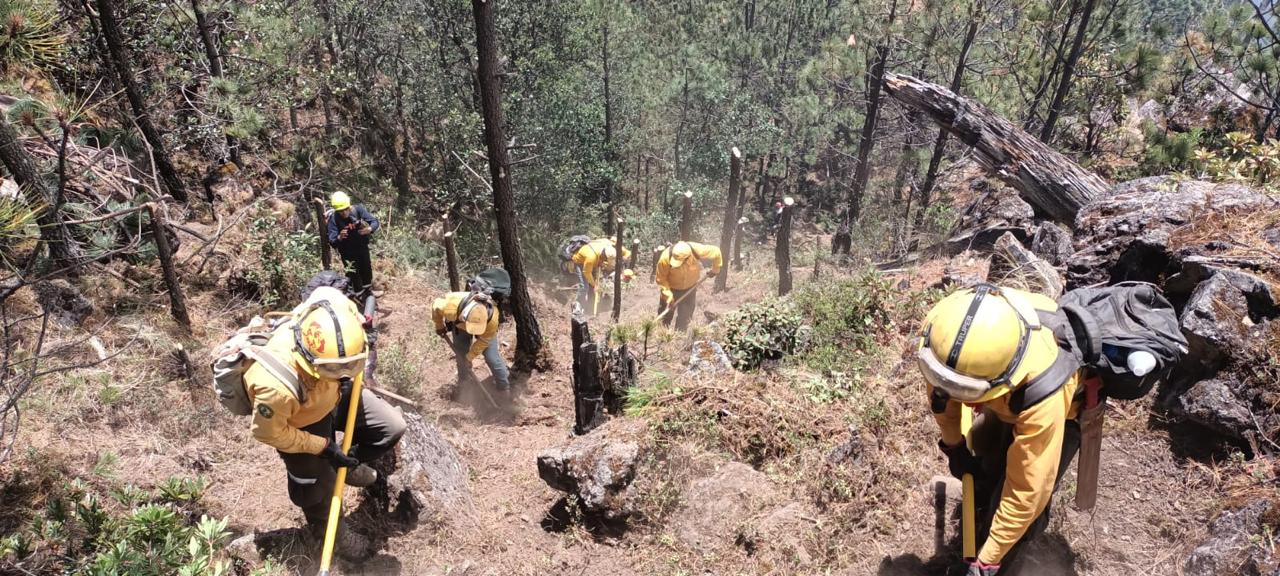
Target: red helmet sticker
{"x":313,"y":337}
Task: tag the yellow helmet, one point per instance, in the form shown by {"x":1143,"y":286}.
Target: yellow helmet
{"x":329,"y":340}
{"x":475,"y":313}
{"x":980,"y":343}
{"x":680,"y":253}
{"x":340,"y":201}
{"x":628,"y":275}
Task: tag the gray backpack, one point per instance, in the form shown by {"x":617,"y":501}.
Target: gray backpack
{"x":238,"y":353}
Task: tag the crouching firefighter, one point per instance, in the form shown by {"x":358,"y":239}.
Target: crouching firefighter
{"x":298,"y":390}
{"x":986,"y":348}
{"x":473,"y":319}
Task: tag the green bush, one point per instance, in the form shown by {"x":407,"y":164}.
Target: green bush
{"x":286,"y":260}
{"x":764,"y":331}
{"x":850,"y":316}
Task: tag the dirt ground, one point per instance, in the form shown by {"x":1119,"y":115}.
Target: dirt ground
{"x":134,"y":420}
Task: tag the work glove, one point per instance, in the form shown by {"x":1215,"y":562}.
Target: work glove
{"x":961,"y":461}
{"x":342,"y":235}
{"x":441,"y":332}
{"x":333,"y":453}
{"x":978,"y":568}
{"x":713,"y":273}
{"x":667,"y":295}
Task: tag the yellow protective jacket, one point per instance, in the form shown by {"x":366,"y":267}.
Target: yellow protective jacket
{"x":688,"y":274}
{"x":1032,"y":459}
{"x":591,"y":258}
{"x":278,"y":416}
{"x":444,"y":313}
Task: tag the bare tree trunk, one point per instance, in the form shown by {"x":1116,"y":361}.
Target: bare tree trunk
{"x":782,"y":251}
{"x":451,"y":262}
{"x":867,"y":140}
{"x":63,"y":249}
{"x":215,"y":69}
{"x":1055,"y":186}
{"x":120,"y":59}
{"x":1068,"y":70}
{"x":160,"y":233}
{"x":528,"y":335}
{"x":619,"y":244}
{"x":322,"y":229}
{"x":730,"y":214}
{"x":940,"y":145}
{"x":609,"y":153}
{"x":686,"y":215}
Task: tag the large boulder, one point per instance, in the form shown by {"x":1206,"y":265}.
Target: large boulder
{"x":1125,"y":234}
{"x":1237,"y":543}
{"x":598,"y":468}
{"x":63,"y":302}
{"x":1213,"y":404}
{"x":430,"y":480}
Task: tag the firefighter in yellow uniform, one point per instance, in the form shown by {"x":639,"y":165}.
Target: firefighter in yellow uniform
{"x":593,"y":261}
{"x":473,"y":319}
{"x":326,"y":349}
{"x":985,"y":347}
{"x":678,"y":272}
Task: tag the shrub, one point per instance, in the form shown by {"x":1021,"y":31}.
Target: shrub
{"x":285,"y":261}
{"x":764,"y":331}
{"x":851,"y":316}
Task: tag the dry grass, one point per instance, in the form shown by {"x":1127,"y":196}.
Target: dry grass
{"x":1234,"y":238}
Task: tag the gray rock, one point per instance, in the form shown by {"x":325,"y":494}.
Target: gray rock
{"x":245,"y":549}
{"x":430,"y":480}
{"x":718,"y":508}
{"x":1124,"y":234}
{"x":1214,"y":405}
{"x":1233,"y":546}
{"x":63,"y":302}
{"x":598,"y":468}
{"x":1052,"y":242}
{"x":708,"y":357}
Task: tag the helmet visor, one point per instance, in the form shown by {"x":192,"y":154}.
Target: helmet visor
{"x":339,"y":368}
{"x":957,"y":385}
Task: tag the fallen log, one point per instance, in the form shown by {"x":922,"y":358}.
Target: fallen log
{"x":1055,"y":186}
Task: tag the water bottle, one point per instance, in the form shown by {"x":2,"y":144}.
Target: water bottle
{"x":1139,"y":362}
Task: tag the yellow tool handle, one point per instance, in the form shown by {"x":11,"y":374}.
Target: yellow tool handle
{"x":968,"y":515}
{"x":335,"y":503}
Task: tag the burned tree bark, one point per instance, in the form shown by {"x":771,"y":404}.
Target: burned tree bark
{"x":1068,"y":70}
{"x":618,"y":244}
{"x":686,"y":215}
{"x":782,"y":251}
{"x":588,"y":393}
{"x":940,"y":145}
{"x":118,"y":54}
{"x":215,"y":68}
{"x":451,"y":262}
{"x":730,"y":214}
{"x":867,"y":140}
{"x":1055,"y":186}
{"x":528,"y":335}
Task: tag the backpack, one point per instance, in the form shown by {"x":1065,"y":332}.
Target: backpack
{"x":326,"y":278}
{"x":1102,"y":326}
{"x":237,"y":354}
{"x":493,"y":282}
{"x":571,"y":247}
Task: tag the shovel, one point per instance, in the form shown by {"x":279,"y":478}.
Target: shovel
{"x":479,"y":385}
{"x":968,"y":515}
{"x":335,"y":503}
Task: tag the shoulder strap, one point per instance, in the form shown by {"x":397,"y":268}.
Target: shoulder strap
{"x":1044,"y":384}
{"x":1086,"y":330}
{"x":278,"y":369}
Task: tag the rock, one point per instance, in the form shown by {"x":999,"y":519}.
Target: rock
{"x":709,"y":357}
{"x":431,"y":479}
{"x":997,"y":210}
{"x":1234,"y":545}
{"x":63,"y":302}
{"x":245,"y":549}
{"x":1124,"y":234}
{"x":777,"y":537}
{"x":598,"y":468}
{"x":1214,"y":405}
{"x":1052,"y":242}
{"x":952,"y":488}
{"x":717,"y":508}
{"x":1221,"y":314}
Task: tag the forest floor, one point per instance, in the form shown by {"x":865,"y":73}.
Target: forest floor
{"x":133,"y":419}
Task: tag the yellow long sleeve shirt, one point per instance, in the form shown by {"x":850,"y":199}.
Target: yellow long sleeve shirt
{"x":278,"y":415}
{"x":688,"y":274}
{"x":591,"y":258}
{"x":444,"y":313}
{"x":1032,"y":460}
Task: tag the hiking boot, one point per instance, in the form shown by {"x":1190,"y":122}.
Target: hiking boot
{"x":361,"y":476}
{"x":349,"y":544}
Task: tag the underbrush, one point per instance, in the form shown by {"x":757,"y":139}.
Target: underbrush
{"x":59,"y":523}
{"x":282,"y":261}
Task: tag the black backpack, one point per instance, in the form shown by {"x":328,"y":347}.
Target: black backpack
{"x":493,"y":282}
{"x":1101,"y":326}
{"x":571,"y":247}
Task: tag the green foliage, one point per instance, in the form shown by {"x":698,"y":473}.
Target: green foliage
{"x":31,"y":37}
{"x":1168,"y":151}
{"x":400,"y":369}
{"x":146,"y":534}
{"x":849,"y":317}
{"x":1240,"y":159}
{"x":653,"y":385}
{"x":283,"y":261}
{"x":755,"y":333}
{"x":401,"y":245}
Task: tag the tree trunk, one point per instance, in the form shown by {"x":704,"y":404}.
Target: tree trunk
{"x":528,"y":335}
{"x":322,"y":229}
{"x":451,"y":262}
{"x":159,"y":233}
{"x":120,"y":59}
{"x":1068,"y":70}
{"x":215,"y":70}
{"x":619,"y":244}
{"x":609,"y":154}
{"x":63,"y":249}
{"x":588,"y":393}
{"x":686,"y":215}
{"x":940,"y":145}
{"x":867,"y":140}
{"x":1055,"y":186}
{"x":730,"y":215}
{"x":782,"y":251}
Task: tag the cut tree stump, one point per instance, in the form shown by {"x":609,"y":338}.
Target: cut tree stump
{"x":782,"y":251}
{"x":588,"y":393}
{"x":1055,"y":186}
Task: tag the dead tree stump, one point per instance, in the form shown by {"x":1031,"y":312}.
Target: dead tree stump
{"x":618,"y":244}
{"x":782,"y":251}
{"x":322,"y":229}
{"x":451,"y":261}
{"x":588,"y":393}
